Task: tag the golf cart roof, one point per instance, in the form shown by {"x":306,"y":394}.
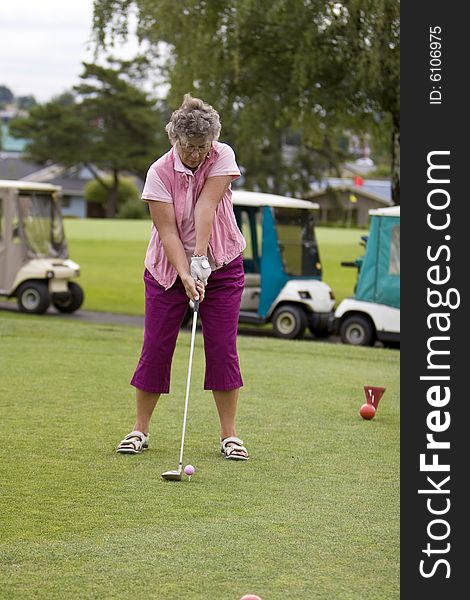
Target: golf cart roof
{"x":390,"y":211}
{"x":28,"y":185}
{"x":244,"y":198}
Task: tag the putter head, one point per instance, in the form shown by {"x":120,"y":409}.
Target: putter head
{"x":175,"y":475}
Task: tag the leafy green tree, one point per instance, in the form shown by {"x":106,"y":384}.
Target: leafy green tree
{"x":111,"y":125}
{"x":127,"y":190}
{"x":274,"y":69}
{"x":127,"y":132}
{"x":366,"y":34}
{"x":129,"y":204}
{"x":66,"y":98}
{"x":133,"y":209}
{"x":55,"y":132}
{"x":26,"y":102}
{"x":6,"y":95}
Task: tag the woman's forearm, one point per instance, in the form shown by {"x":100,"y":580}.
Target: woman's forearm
{"x":175,"y":253}
{"x":203,"y":219}
{"x":163,"y":217}
{"x":204,"y":212}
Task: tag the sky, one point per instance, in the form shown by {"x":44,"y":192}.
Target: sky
{"x":44,"y":42}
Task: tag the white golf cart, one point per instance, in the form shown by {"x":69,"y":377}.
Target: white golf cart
{"x":282,"y":266}
{"x":34,"y":264}
{"x":373,"y":313}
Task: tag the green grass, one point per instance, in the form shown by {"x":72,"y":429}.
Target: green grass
{"x":337,"y":245}
{"x":313,"y":515}
{"x":111,"y":256}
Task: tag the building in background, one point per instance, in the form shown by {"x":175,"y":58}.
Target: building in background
{"x":348,"y":200}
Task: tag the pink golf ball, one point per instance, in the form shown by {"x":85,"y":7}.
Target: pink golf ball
{"x":250,"y":597}
{"x":189,"y":470}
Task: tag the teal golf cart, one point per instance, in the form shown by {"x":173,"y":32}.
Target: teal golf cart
{"x":373,"y":313}
{"x":34,"y":264}
{"x":283,"y":273}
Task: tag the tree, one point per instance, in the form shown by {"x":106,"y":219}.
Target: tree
{"x":56,"y":133}
{"x":127,"y":190}
{"x":367,"y":34}
{"x":6,"y":95}
{"x":26,"y":102}
{"x":277,"y":68}
{"x":129,"y":204}
{"x":110,"y":125}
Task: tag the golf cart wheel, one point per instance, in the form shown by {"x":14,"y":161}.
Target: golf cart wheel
{"x":289,"y":322}
{"x":72,"y":301}
{"x":357,"y":331}
{"x":33,"y":297}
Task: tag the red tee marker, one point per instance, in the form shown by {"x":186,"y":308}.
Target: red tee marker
{"x":373,"y":395}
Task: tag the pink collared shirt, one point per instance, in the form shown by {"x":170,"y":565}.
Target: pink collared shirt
{"x":169,"y":180}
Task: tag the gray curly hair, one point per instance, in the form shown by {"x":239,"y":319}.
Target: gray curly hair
{"x":194,"y":118}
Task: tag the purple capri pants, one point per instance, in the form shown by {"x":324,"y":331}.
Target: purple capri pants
{"x":219,"y":311}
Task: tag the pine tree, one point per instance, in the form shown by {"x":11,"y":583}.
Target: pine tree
{"x":109,"y":125}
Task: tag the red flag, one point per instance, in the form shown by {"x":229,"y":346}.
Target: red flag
{"x":358,"y":180}
{"x":373,"y":395}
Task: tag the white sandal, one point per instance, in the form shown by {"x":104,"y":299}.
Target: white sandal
{"x":135,"y":442}
{"x":233,"y":449}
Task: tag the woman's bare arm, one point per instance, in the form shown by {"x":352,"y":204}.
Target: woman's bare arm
{"x":163,"y":216}
{"x":210,"y":196}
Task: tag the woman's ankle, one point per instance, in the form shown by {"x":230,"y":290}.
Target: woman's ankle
{"x":143,"y":427}
{"x":225,"y":433}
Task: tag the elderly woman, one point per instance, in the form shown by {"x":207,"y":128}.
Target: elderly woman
{"x":195,"y":252}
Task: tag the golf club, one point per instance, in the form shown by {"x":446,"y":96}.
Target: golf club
{"x":176,"y":475}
